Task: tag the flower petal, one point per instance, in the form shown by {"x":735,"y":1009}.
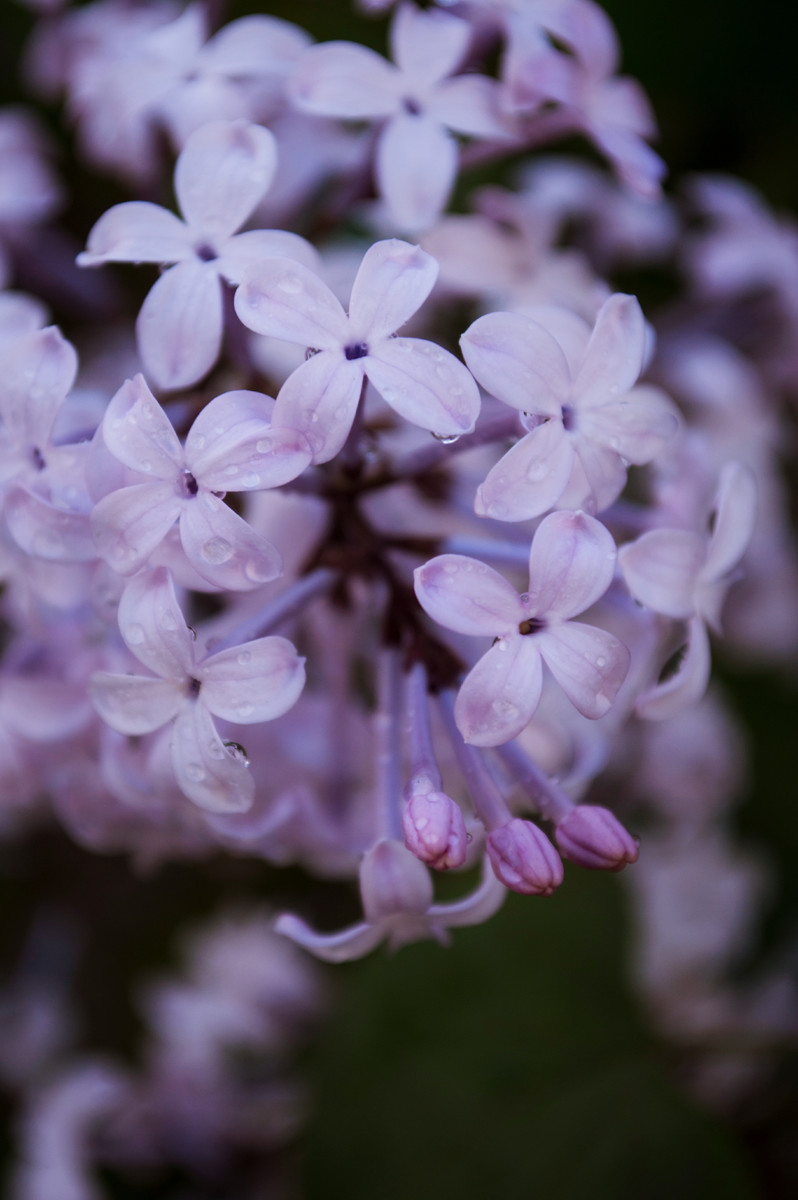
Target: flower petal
{"x":137,"y":232}
{"x":223,"y":548}
{"x":470,"y":104}
{"x":154,"y":628}
{"x":133,"y":704}
{"x":519,"y":362}
{"x":393,"y":281}
{"x":427,"y":45}
{"x":415,"y":168}
{"x":242,"y":251}
{"x":128,"y":524}
{"x":284,"y":299}
{"x":636,"y":426}
{"x":735,"y":514}
{"x":212,"y":775}
{"x":588,"y":663}
{"x":499,"y":695}
{"x":597,"y":478}
{"x":342,"y":79}
{"x":257,"y":681}
{"x":475,"y":908}
{"x":571,"y":564}
{"x":689,"y":683}
{"x":467,"y":596}
{"x":139,"y":434}
{"x":615,"y":353}
{"x":179,"y":328}
{"x":530,"y":478}
{"x":425,"y":384}
{"x":48,"y":532}
{"x":319,"y":400}
{"x":232,"y":446}
{"x":661,"y":569}
{"x":37,"y":375}
{"x":222,"y":172}
{"x":353,"y":942}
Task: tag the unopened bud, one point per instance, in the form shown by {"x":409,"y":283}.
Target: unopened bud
{"x":435,"y":830}
{"x":593,"y":837}
{"x":524,"y":859}
{"x":393,"y":881}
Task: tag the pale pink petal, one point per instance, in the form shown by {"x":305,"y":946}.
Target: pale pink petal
{"x":342,"y":79}
{"x":470,"y":104}
{"x":139,"y":434}
{"x":571,"y":564}
{"x":531,"y":476}
{"x":479,"y":906}
{"x":179,"y":328}
{"x":133,"y":704}
{"x":47,"y":532}
{"x":499,"y":695}
{"x":232,"y":447}
{"x":588,"y":32}
{"x":427,"y":45}
{"x":240,"y":252}
{"x":519,"y":362}
{"x":212,"y":775}
{"x":615,"y":353}
{"x":689,"y":683}
{"x":257,"y":681}
{"x":393,"y":281}
{"x":221,"y":174}
{"x":415,"y":167}
{"x":284,"y":299}
{"x":735,"y":514}
{"x":37,"y":375}
{"x":597,"y":479}
{"x":467,"y":596}
{"x":661,"y":569}
{"x":588,"y":663}
{"x":128,"y":524}
{"x":255,"y":45}
{"x":154,"y":628}
{"x":426,"y":385}
{"x":636,"y":426}
{"x":319,"y":400}
{"x":223,"y":548}
{"x":137,"y":232}
{"x":350,"y":943}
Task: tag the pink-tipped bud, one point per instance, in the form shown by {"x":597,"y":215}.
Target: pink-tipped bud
{"x":593,"y":837}
{"x":435,"y":830}
{"x":393,"y":881}
{"x":524,"y":859}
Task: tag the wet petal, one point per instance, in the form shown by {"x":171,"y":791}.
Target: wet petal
{"x":467,"y":596}
{"x":636,"y":426}
{"x":133,"y":704}
{"x":615,"y":353}
{"x":139,"y":434}
{"x":257,"y":681}
{"x":661,"y":569}
{"x":128,"y":524}
{"x":48,"y":532}
{"x":588,"y":663}
{"x":179,"y":328}
{"x":319,"y":400}
{"x":689,"y":683}
{"x":154,"y":628}
{"x":425,"y":384}
{"x":245,"y":249}
{"x":500,"y":694}
{"x":223,"y":548}
{"x":530,"y":478}
{"x":519,"y":362}
{"x":212,"y":775}
{"x":37,"y":375}
{"x":137,"y":232}
{"x":282,"y":298}
{"x":597,"y":478}
{"x":393,"y":281}
{"x":222,"y":172}
{"x":571,"y":564}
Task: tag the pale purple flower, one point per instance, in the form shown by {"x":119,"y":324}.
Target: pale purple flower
{"x":434,"y":829}
{"x":571,"y":564}
{"x":593,"y":837}
{"x":222,"y":173}
{"x":416,"y":155}
{"x":423,"y":383}
{"x":256,"y":681}
{"x":576,"y":388}
{"x":524,"y":859}
{"x":230,"y":446}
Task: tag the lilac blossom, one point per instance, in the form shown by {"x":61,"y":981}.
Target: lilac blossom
{"x":252,"y":682}
{"x":571,"y":564}
{"x":421,"y":382}
{"x":220,"y":176}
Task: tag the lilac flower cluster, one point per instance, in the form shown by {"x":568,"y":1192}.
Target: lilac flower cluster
{"x":432,"y":571}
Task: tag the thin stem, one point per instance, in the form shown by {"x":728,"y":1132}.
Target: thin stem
{"x":514,"y":553}
{"x":387,"y":743}
{"x":488,"y":801}
{"x":286,"y":606}
{"x":424,"y":772}
{"x":551,"y":801}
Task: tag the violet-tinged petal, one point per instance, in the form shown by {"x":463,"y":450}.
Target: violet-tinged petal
{"x":48,"y":532}
{"x":133,"y":704}
{"x":588,"y":663}
{"x":351,"y":943}
{"x":589,"y":34}
{"x":470,"y":104}
{"x":137,"y":232}
{"x":319,"y":400}
{"x":735,"y":513}
{"x":661,"y":569}
{"x":427,"y":45}
{"x":212,"y":775}
{"x":139,"y":434}
{"x":254,"y":46}
{"x":239,"y":253}
{"x":615,"y":353}
{"x":393,"y":882}
{"x":593,"y":837}
{"x":636,"y":426}
{"x":37,"y":375}
{"x":342,"y":79}
{"x":598,"y":477}
{"x":689,"y":683}
{"x":153,"y":626}
{"x":501,"y":692}
{"x":519,"y":362}
{"x":524,"y":859}
{"x":268,"y":458}
{"x":571,"y":564}
{"x":223,"y":548}
{"x":179,"y":327}
{"x":257,"y":681}
{"x":434,"y":830}
{"x":222,"y":172}
{"x":225,"y":423}
{"x":467,"y":596}
{"x":531,"y":476}
{"x":415,"y":167}
{"x":128,"y":524}
{"x":392,"y":282}
{"x":479,"y":906}
{"x":424,"y":384}
{"x":282,"y":298}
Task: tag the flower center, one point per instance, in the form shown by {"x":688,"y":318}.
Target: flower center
{"x":531,"y":625}
{"x":356,"y":350}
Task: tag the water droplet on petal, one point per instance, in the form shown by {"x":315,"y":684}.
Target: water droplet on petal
{"x":195,"y":772}
{"x":264,"y":445}
{"x":134,"y":634}
{"x":245,"y":710}
{"x":216,"y":551}
{"x":244,"y":658}
{"x":251,"y":480}
{"x":601,"y":662}
{"x":259,"y":570}
{"x":237,"y":752}
{"x":290,"y":284}
{"x":447,"y":439}
{"x":167,"y":620}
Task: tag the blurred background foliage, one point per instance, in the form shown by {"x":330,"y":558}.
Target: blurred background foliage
{"x":518,"y":1062}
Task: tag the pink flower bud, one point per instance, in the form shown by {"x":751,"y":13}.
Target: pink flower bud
{"x":393,"y":881}
{"x":593,"y":837}
{"x":524,"y":859}
{"x":435,"y":830}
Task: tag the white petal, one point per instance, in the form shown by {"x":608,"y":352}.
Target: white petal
{"x":530,"y":478}
{"x":415,"y":168}
{"x":212,"y":775}
{"x":133,"y":704}
{"x":128,"y":524}
{"x":519,"y":362}
{"x":427,"y":45}
{"x":179,"y":328}
{"x":597,"y":479}
{"x":588,"y":663}
{"x":37,"y":375}
{"x":467,"y":596}
{"x":139,"y":434}
{"x":341,"y":79}
{"x":47,"y":532}
{"x":661,"y":569}
{"x":257,"y":681}
{"x":223,"y":548}
{"x":636,"y":426}
{"x":689,"y":683}
{"x":137,"y":232}
{"x":154,"y":628}
{"x":615,"y":353}
{"x":282,"y":298}
{"x":393,"y":281}
{"x":239,"y":253}
{"x":499,"y":695}
{"x":232,"y":446}
{"x":223,"y":171}
{"x":319,"y":400}
{"x":425,"y":384}
{"x":571,"y":564}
